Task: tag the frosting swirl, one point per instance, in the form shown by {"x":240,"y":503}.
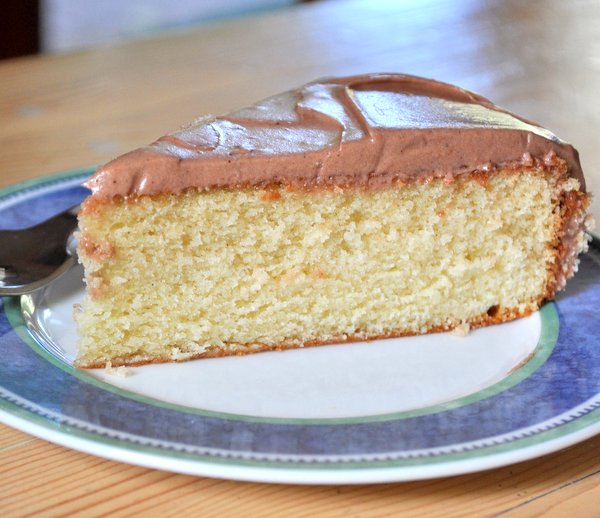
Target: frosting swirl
{"x":368,"y":130}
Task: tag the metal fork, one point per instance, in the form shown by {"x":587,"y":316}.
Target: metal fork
{"x":33,"y":257}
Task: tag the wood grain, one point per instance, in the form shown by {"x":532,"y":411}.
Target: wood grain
{"x":10,"y":438}
{"x":540,"y":58}
{"x":45,"y":478}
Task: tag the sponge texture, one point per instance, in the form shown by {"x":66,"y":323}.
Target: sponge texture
{"x":210,"y":273}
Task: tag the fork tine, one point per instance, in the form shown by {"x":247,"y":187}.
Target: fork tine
{"x":31,"y":256}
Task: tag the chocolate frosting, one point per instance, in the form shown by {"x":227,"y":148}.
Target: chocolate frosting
{"x":369,"y":130}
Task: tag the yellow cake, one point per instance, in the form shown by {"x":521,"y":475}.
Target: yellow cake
{"x":348,"y":209}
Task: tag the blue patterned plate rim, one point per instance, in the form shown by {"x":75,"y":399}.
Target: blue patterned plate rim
{"x":549,"y":406}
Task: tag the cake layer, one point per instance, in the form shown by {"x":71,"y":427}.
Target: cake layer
{"x":370,"y":130}
{"x":210,"y":273}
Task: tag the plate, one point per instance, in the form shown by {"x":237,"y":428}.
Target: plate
{"x":388,"y":410}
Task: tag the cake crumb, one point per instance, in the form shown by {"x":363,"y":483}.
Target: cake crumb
{"x":121,"y":372}
{"x":289,"y":276}
{"x":261,"y":275}
{"x":462,"y":329}
{"x":589,"y":223}
{"x":271,"y":196}
{"x":481,"y":177}
{"x":448,"y":179}
{"x":318,"y":274}
{"x":571,"y":185}
{"x":77,"y":310}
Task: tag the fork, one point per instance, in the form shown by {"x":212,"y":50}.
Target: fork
{"x":33,"y":257}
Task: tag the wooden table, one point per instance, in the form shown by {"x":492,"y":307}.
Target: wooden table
{"x":538,"y":58}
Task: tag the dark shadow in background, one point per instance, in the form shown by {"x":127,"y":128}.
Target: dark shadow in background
{"x":19,"y":28}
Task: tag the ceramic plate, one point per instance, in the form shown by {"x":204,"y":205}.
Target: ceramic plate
{"x":388,"y":410}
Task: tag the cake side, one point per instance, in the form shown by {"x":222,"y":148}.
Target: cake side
{"x":280,"y":267}
{"x":347,"y":209}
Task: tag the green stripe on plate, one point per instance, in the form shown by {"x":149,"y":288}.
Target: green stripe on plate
{"x":44,"y":181}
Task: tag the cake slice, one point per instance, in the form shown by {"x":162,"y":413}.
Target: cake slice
{"x":348,"y":209}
